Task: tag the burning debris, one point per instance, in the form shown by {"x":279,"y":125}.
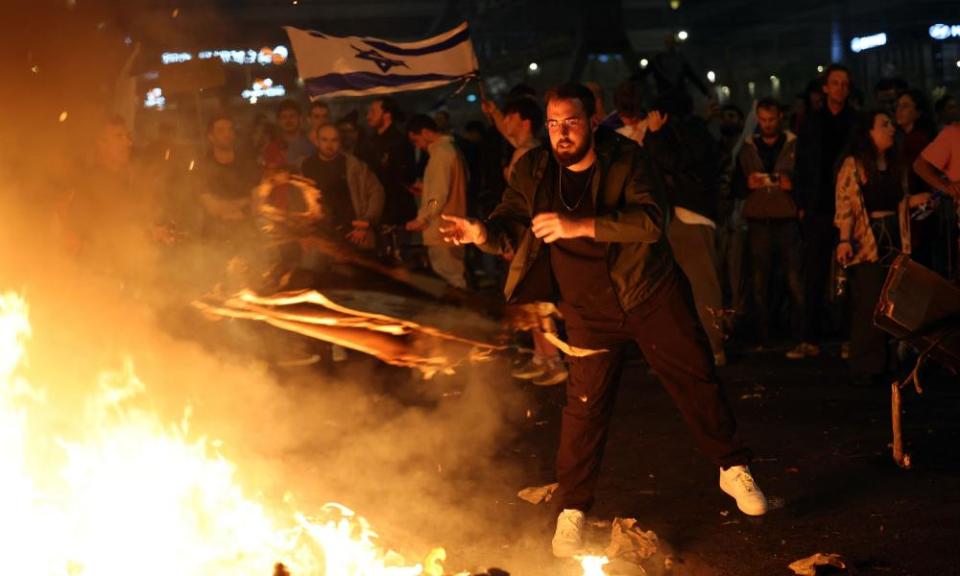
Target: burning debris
{"x":126,"y":489}
{"x":336,"y":317}
{"x":809,"y":566}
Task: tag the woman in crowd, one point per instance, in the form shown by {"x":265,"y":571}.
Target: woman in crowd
{"x":873,"y":220}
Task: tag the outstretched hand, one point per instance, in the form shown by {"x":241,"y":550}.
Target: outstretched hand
{"x":457,"y":230}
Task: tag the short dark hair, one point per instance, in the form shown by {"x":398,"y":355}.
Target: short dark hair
{"x":527,"y":109}
{"x":732,"y":108}
{"x":628,"y":99}
{"x":769,"y":104}
{"x":835,"y":67}
{"x":420,"y":122}
{"x":212,"y":122}
{"x":522,"y":90}
{"x":289,"y":105}
{"x":319,"y":104}
{"x":390,"y":106}
{"x":574,"y":91}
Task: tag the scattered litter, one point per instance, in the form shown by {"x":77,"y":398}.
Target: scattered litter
{"x":793,"y":470}
{"x":541,"y":422}
{"x":598,"y":523}
{"x":724,"y":513}
{"x":808,"y":566}
{"x":538,"y":494}
{"x":775,"y":503}
{"x":630,"y":543}
{"x":730,"y":522}
{"x":755,"y":396}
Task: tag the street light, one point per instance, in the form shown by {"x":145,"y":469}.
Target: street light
{"x":712,"y":76}
{"x":682,"y":35}
{"x":533,"y":67}
{"x":644,"y":63}
{"x":820,"y":69}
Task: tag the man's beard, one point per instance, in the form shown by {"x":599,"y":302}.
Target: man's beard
{"x":569,"y":158}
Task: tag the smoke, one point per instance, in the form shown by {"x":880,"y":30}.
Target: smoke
{"x":429,"y":463}
{"x":424,"y":460}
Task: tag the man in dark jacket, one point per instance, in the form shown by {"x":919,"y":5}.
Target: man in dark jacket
{"x":689,"y":160}
{"x":389,"y":154}
{"x":822,"y":138}
{"x":586,"y":225}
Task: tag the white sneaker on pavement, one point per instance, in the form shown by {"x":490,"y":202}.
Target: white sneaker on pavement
{"x":568,"y":539}
{"x":738,"y":482}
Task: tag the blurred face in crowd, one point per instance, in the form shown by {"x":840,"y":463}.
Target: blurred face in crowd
{"x":816,"y":101}
{"x":319,"y":115}
{"x":571,"y":134}
{"x":882,"y":132}
{"x":837,"y":87}
{"x":442,"y":119}
{"x":769,"y":119}
{"x":887,"y":99}
{"x":731,"y":122}
{"x":419,"y":139}
{"x":114,"y":146}
{"x":328,"y":141}
{"x":513,"y":125}
{"x":907,"y":113}
{"x":222,"y":136}
{"x":349,"y":134}
{"x":376,"y":117}
{"x":951,"y":111}
{"x":289,"y":121}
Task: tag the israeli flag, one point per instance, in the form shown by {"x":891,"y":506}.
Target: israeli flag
{"x":355,"y":66}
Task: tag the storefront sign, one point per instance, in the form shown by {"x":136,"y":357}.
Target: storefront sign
{"x":264,"y":57}
{"x":943,"y":31}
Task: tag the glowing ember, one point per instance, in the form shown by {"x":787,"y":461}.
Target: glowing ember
{"x":130,"y":494}
{"x":593,"y":565}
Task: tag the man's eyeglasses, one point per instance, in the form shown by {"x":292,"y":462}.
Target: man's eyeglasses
{"x":570,"y":123}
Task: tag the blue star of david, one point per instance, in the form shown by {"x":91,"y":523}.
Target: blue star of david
{"x":382,"y":62}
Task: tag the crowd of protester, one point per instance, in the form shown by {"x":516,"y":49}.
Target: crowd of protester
{"x":771,"y":211}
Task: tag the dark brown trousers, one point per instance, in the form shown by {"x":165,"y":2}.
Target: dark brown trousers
{"x":669,"y":334}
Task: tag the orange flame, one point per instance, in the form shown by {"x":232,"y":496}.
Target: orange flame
{"x":131,"y":494}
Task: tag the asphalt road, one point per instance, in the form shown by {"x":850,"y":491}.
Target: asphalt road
{"x":822,"y":457}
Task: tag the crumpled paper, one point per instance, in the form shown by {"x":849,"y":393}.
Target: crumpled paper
{"x":538,"y":494}
{"x":628,"y":542}
{"x":808,"y":566}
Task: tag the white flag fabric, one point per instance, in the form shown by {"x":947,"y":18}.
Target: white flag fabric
{"x":355,"y":66}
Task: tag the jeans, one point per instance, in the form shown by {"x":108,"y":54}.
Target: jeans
{"x":769,"y":239}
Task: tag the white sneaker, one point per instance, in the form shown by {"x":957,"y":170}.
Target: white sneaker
{"x":568,"y":539}
{"x":738,"y":482}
